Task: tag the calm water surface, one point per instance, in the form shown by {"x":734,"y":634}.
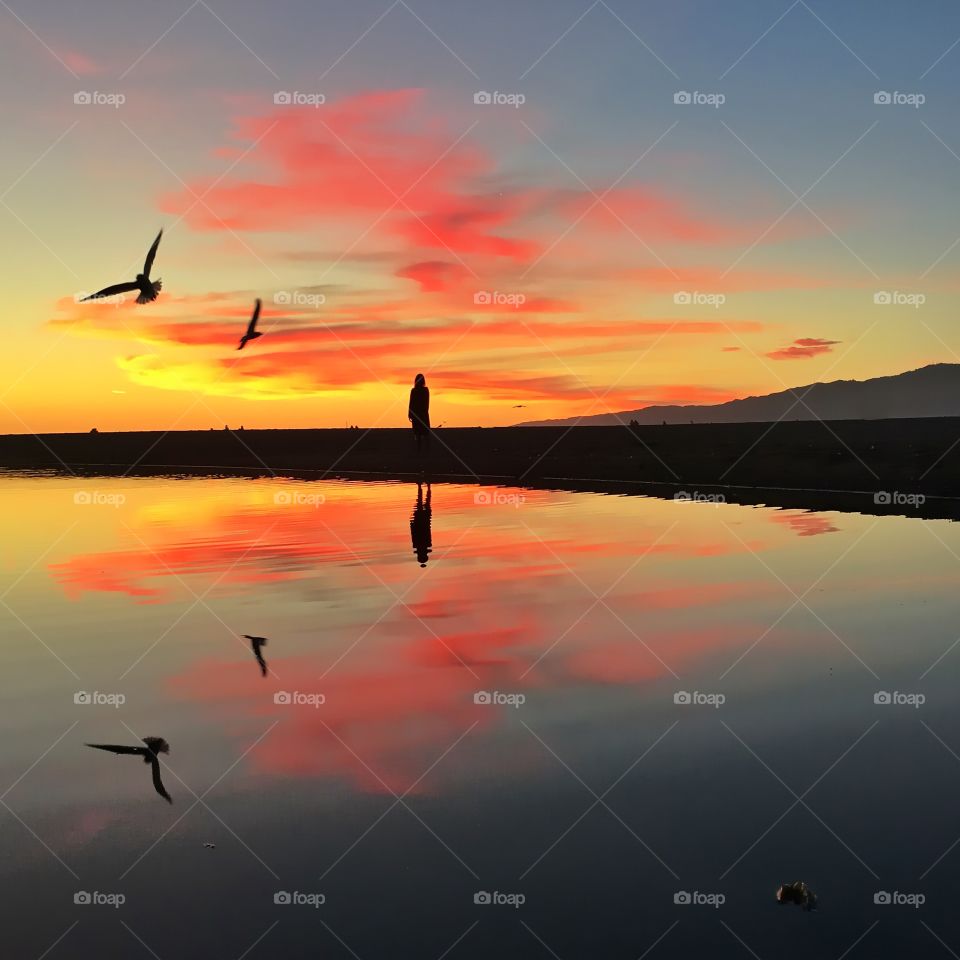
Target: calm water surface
{"x":500,"y":723}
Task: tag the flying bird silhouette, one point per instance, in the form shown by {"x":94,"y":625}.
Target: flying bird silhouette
{"x":150,"y":753}
{"x":148,"y":288}
{"x":256,"y":643}
{"x":251,"y":333}
{"x":519,"y":406}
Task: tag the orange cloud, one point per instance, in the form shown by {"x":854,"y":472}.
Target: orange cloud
{"x":803,"y":348}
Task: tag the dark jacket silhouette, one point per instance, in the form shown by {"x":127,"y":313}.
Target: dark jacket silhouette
{"x":419,"y":410}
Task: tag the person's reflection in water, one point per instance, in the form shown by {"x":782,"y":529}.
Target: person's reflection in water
{"x":420,"y":526}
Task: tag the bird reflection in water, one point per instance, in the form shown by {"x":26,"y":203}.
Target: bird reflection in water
{"x":150,"y":754}
{"x":257,"y":644}
{"x":420,"y":533}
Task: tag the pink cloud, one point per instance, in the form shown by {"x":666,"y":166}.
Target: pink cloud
{"x":386,"y":161}
{"x":80,"y":63}
{"x":803,"y":348}
{"x":434,"y":276}
{"x":805,"y":524}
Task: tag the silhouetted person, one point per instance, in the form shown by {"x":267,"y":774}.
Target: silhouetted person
{"x":420,"y":526}
{"x":149,"y":289}
{"x":150,"y":753}
{"x":419,"y":412}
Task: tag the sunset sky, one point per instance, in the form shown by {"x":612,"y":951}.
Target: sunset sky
{"x":595,"y":247}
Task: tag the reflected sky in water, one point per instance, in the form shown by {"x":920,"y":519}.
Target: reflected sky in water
{"x":595,"y":703}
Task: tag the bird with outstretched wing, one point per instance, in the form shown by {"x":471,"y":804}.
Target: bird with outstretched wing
{"x":149,"y":289}
{"x":256,"y":644}
{"x":252,"y":332}
{"x":150,"y":753}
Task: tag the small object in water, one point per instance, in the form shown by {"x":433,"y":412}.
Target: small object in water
{"x":210,"y":846}
{"x":797,"y":893}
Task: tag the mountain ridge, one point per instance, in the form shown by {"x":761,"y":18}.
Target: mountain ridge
{"x":929,"y":391}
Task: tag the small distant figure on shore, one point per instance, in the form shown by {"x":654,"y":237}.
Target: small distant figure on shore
{"x":418,"y":412}
{"x":94,"y":430}
{"x":420,"y":533}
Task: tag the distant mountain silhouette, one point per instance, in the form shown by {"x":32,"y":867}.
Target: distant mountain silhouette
{"x":932,"y":391}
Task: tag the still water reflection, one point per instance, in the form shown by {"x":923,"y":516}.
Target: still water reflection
{"x":406,"y":719}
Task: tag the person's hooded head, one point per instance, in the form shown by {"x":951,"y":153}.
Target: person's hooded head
{"x":420,"y":380}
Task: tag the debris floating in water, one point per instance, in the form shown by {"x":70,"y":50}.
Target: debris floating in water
{"x":797,"y":893}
